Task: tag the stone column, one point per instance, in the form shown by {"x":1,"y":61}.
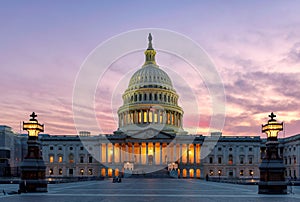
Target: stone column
{"x":120,"y":151}
{"x":195,"y":153}
{"x":106,"y":152}
{"x":100,"y":152}
{"x":187,"y":153}
{"x":113,"y":153}
{"x":146,"y":153}
{"x":154,"y":154}
{"x":180,"y":153}
{"x":160,"y":152}
{"x":174,"y":152}
{"x":140,"y":145}
{"x":133,"y":152}
{"x":126,"y":154}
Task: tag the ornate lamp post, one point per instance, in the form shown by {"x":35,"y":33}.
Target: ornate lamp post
{"x":272,"y":179}
{"x":33,"y":169}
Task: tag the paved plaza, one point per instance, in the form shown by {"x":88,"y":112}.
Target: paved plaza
{"x":146,"y":190}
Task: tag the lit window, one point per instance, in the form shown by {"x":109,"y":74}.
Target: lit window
{"x":230,"y":160}
{"x":155,"y":118}
{"x":145,"y":117}
{"x":140,"y":117}
{"x":81,"y":171}
{"x":150,"y":116}
{"x":241,"y":172}
{"x":50,"y":171}
{"x":71,"y":158}
{"x":90,"y":171}
{"x":60,"y":159}
{"x":60,"y":171}
{"x":51,"y":159}
{"x":211,"y":172}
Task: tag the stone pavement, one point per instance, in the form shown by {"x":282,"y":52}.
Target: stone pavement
{"x":146,"y":190}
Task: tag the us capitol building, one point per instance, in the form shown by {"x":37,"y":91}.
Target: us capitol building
{"x":150,"y":141}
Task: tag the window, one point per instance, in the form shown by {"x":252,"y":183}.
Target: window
{"x":211,"y":172}
{"x":250,"y":149}
{"x":219,"y":148}
{"x":81,"y":148}
{"x":71,"y":158}
{"x":60,"y":148}
{"x":241,"y":149}
{"x":70,"y":171}
{"x":230,"y":149}
{"x":250,"y":160}
{"x":51,"y":148}
{"x":285,"y":160}
{"x":230,"y":173}
{"x":241,"y":172}
{"x":51,"y":158}
{"x":81,"y":159}
{"x":60,"y":159}
{"x":210,"y":159}
{"x":295,"y":160}
{"x":71,"y":148}
{"x":241,"y":160}
{"x":90,"y":148}
{"x":81,"y":171}
{"x":290,"y":160}
{"x":51,"y":171}
{"x":90,"y":171}
{"x":251,"y":173}
{"x":90,"y":159}
{"x":220,"y":160}
{"x":230,"y":159}
{"x":60,"y":171}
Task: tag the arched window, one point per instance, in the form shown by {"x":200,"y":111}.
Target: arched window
{"x":71,"y":158}
{"x":230,"y":159}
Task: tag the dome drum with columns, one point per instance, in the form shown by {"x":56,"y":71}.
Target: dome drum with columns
{"x":150,"y":99}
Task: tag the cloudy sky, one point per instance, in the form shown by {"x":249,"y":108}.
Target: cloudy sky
{"x":254,"y":45}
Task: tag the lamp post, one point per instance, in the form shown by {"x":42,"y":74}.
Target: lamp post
{"x":219,"y":173}
{"x":33,"y":169}
{"x":272,"y":179}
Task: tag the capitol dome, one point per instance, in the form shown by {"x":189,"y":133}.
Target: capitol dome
{"x":150,"y":76}
{"x":150,"y":99}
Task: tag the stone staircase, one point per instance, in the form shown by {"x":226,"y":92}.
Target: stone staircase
{"x":148,"y":171}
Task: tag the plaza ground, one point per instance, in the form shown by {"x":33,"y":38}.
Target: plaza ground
{"x":137,"y":189}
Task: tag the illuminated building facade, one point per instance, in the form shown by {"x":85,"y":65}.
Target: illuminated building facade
{"x":151,"y":141}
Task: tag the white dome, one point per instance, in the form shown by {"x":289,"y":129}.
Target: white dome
{"x":150,"y":76}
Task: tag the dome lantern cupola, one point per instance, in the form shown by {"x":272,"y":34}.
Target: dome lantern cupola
{"x":150,"y":52}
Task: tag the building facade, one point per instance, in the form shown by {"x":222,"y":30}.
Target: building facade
{"x":150,"y":140}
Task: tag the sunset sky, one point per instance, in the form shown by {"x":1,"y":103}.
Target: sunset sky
{"x":255,"y":46}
